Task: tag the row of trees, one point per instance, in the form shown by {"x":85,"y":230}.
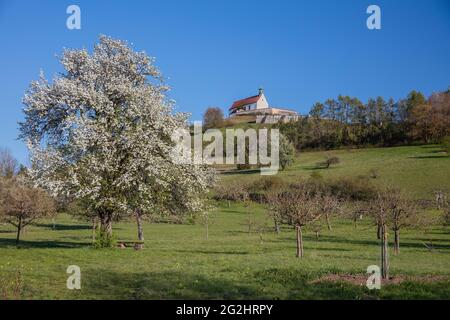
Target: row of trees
{"x":346,"y":121}
{"x":315,"y":203}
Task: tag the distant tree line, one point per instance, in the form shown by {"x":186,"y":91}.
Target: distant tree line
{"x":346,"y":121}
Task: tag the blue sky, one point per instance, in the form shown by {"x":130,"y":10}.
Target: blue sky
{"x":216,"y":51}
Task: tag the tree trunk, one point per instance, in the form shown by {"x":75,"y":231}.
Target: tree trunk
{"x":378,"y":232}
{"x":139,"y":226}
{"x":94,"y":229}
{"x":277,"y":226}
{"x":327,"y":217}
{"x":396,"y":241}
{"x":106,"y":227}
{"x":384,"y":254}
{"x":207,"y":227}
{"x":19,"y":229}
{"x":299,"y":241}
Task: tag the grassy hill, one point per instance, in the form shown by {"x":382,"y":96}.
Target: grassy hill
{"x":179,"y":262}
{"x":418,"y":169}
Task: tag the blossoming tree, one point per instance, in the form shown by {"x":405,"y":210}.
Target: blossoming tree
{"x":101,"y":132}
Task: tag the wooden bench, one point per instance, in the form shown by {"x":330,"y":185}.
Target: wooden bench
{"x":136,"y":244}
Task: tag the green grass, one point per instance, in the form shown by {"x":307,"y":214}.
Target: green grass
{"x":178,"y":262}
{"x":417,"y":169}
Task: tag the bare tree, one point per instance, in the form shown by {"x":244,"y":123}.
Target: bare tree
{"x":8,"y":164}
{"x":21,"y":205}
{"x":392,"y":209}
{"x":329,"y":207}
{"x":213,"y":117}
{"x":379,"y":209}
{"x":272,"y":200}
{"x":440,"y":199}
{"x":205,"y":221}
{"x":297,"y":207}
{"x":355,"y":211}
{"x":402,"y":213}
{"x":316,"y":227}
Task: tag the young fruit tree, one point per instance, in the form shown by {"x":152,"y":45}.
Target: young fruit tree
{"x":21,"y":205}
{"x":330,"y":207}
{"x":356,"y":211}
{"x":379,"y":208}
{"x":102,"y":132}
{"x":297,"y":207}
{"x":403,"y":213}
{"x":274,"y":211}
{"x":391,"y":209}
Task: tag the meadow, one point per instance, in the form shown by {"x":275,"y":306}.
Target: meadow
{"x":180,"y":262}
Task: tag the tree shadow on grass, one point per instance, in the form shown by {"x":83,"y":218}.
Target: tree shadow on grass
{"x":63,"y":227}
{"x":227,"y":252}
{"x":163,"y":285}
{"x":306,"y":286}
{"x":443,"y":156}
{"x":316,"y":168}
{"x":50,"y":244}
{"x":267,"y":284}
{"x":418,"y":245}
{"x":272,"y":283}
{"x":235,"y":171}
{"x":234,"y":211}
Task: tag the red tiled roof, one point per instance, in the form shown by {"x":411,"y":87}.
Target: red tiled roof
{"x":245,"y":101}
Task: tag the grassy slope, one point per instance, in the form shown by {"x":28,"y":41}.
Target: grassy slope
{"x":418,"y":169}
{"x":178,"y":262}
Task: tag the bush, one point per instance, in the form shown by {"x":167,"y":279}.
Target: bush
{"x":355,"y":189}
{"x":265,"y":184}
{"x":329,"y":161}
{"x":104,"y":240}
{"x":345,"y":188}
{"x":255,"y":190}
{"x":373,"y":173}
{"x":259,"y":188}
{"x":230,"y":191}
